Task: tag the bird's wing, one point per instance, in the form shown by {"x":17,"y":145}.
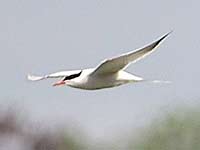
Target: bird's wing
{"x":61,"y":74}
{"x":53,"y":75}
{"x":117,"y":63}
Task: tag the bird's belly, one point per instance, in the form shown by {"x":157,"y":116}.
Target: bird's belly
{"x":100,"y":83}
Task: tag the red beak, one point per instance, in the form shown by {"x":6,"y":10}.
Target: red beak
{"x":59,"y":83}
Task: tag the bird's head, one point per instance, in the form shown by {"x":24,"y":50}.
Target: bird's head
{"x":67,"y":79}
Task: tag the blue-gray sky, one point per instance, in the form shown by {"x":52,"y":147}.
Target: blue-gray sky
{"x":44,"y":36}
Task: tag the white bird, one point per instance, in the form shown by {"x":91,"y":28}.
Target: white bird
{"x":109,"y":73}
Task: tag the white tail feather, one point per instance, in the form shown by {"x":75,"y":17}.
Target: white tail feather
{"x":160,"y":81}
{"x":35,"y":78}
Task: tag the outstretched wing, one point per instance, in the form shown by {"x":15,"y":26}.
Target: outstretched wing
{"x":118,"y":63}
{"x":62,"y":74}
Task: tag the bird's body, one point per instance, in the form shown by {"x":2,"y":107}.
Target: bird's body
{"x":86,"y":81}
{"x":109,"y":73}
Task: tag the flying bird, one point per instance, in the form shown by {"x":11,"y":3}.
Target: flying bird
{"x":109,"y":73}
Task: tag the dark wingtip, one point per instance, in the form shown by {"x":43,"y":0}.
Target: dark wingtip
{"x":164,"y":36}
{"x":168,"y":33}
{"x":156,"y":43}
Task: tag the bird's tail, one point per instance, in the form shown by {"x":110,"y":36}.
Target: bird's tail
{"x":35,"y":78}
{"x":159,"y":81}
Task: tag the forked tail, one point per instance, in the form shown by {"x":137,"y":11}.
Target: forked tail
{"x":158,"y":81}
{"x":161,"y":81}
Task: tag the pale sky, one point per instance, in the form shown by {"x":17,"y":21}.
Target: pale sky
{"x":44,"y":36}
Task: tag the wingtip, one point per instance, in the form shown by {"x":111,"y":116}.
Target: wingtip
{"x":28,"y":76}
{"x":34,"y":78}
{"x":163,"y":37}
{"x":167,"y":34}
{"x":170,"y":32}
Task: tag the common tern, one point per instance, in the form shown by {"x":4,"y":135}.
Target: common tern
{"x":109,"y":73}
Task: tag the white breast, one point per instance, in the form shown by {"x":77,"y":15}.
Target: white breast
{"x":91,"y":82}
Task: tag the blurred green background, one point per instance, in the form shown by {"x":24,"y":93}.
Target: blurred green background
{"x":177,"y":130}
